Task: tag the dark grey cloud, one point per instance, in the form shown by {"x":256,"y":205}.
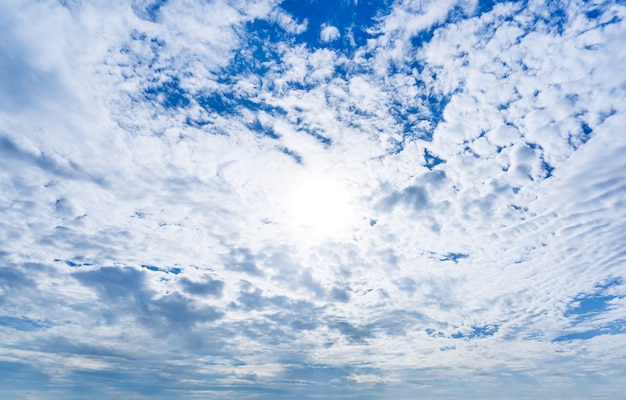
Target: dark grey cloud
{"x":413,"y":197}
{"x":307,"y":280}
{"x":206,"y":287}
{"x":179,"y":311}
{"x":339,"y":294}
{"x":352,"y":332}
{"x":243,"y":260}
{"x":115,"y":284}
{"x":11,"y":152}
{"x":15,"y":278}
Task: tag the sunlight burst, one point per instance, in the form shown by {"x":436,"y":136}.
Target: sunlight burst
{"x":320,"y":207}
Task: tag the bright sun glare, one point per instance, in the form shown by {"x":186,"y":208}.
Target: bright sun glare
{"x":320,"y":207}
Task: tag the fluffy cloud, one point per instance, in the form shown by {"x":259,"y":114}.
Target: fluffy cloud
{"x":329,"y":33}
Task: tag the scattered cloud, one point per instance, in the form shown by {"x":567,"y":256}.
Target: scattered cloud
{"x":329,"y":33}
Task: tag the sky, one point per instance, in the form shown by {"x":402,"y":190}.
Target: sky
{"x":312,"y":199}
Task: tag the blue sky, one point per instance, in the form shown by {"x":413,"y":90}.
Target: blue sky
{"x":264,"y":199}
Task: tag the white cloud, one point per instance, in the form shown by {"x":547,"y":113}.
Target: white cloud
{"x":329,"y":33}
{"x":289,"y":24}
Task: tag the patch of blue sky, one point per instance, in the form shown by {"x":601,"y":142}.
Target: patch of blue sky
{"x":353,"y":20}
{"x":22,"y":323}
{"x":221,"y":103}
{"x":485,"y":6}
{"x":594,"y":13}
{"x":613,"y":20}
{"x":455,"y":257}
{"x":558,"y":18}
{"x":314,"y":133}
{"x":168,"y":94}
{"x":151,"y":268}
{"x":260,"y":55}
{"x":258,"y":51}
{"x":230,"y":103}
{"x":263,"y":130}
{"x":477,"y":332}
{"x":436,"y":105}
{"x":149,"y":11}
{"x":73,"y":263}
{"x":595,"y":10}
{"x":431,"y":160}
{"x":419,"y":116}
{"x":434,"y":333}
{"x":547,"y":168}
{"x":455,"y":15}
{"x":554,"y":16}
{"x":614,"y":328}
{"x":587,"y":305}
{"x":586,"y":128}
{"x":474,"y":332}
{"x":291,"y":153}
{"x":577,"y":139}
{"x":395,"y":146}
{"x":169,"y":270}
{"x":326,"y":141}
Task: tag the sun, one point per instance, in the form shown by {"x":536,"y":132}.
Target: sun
{"x":319,"y":206}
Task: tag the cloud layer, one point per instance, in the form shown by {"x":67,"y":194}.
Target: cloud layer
{"x":265,"y":199}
